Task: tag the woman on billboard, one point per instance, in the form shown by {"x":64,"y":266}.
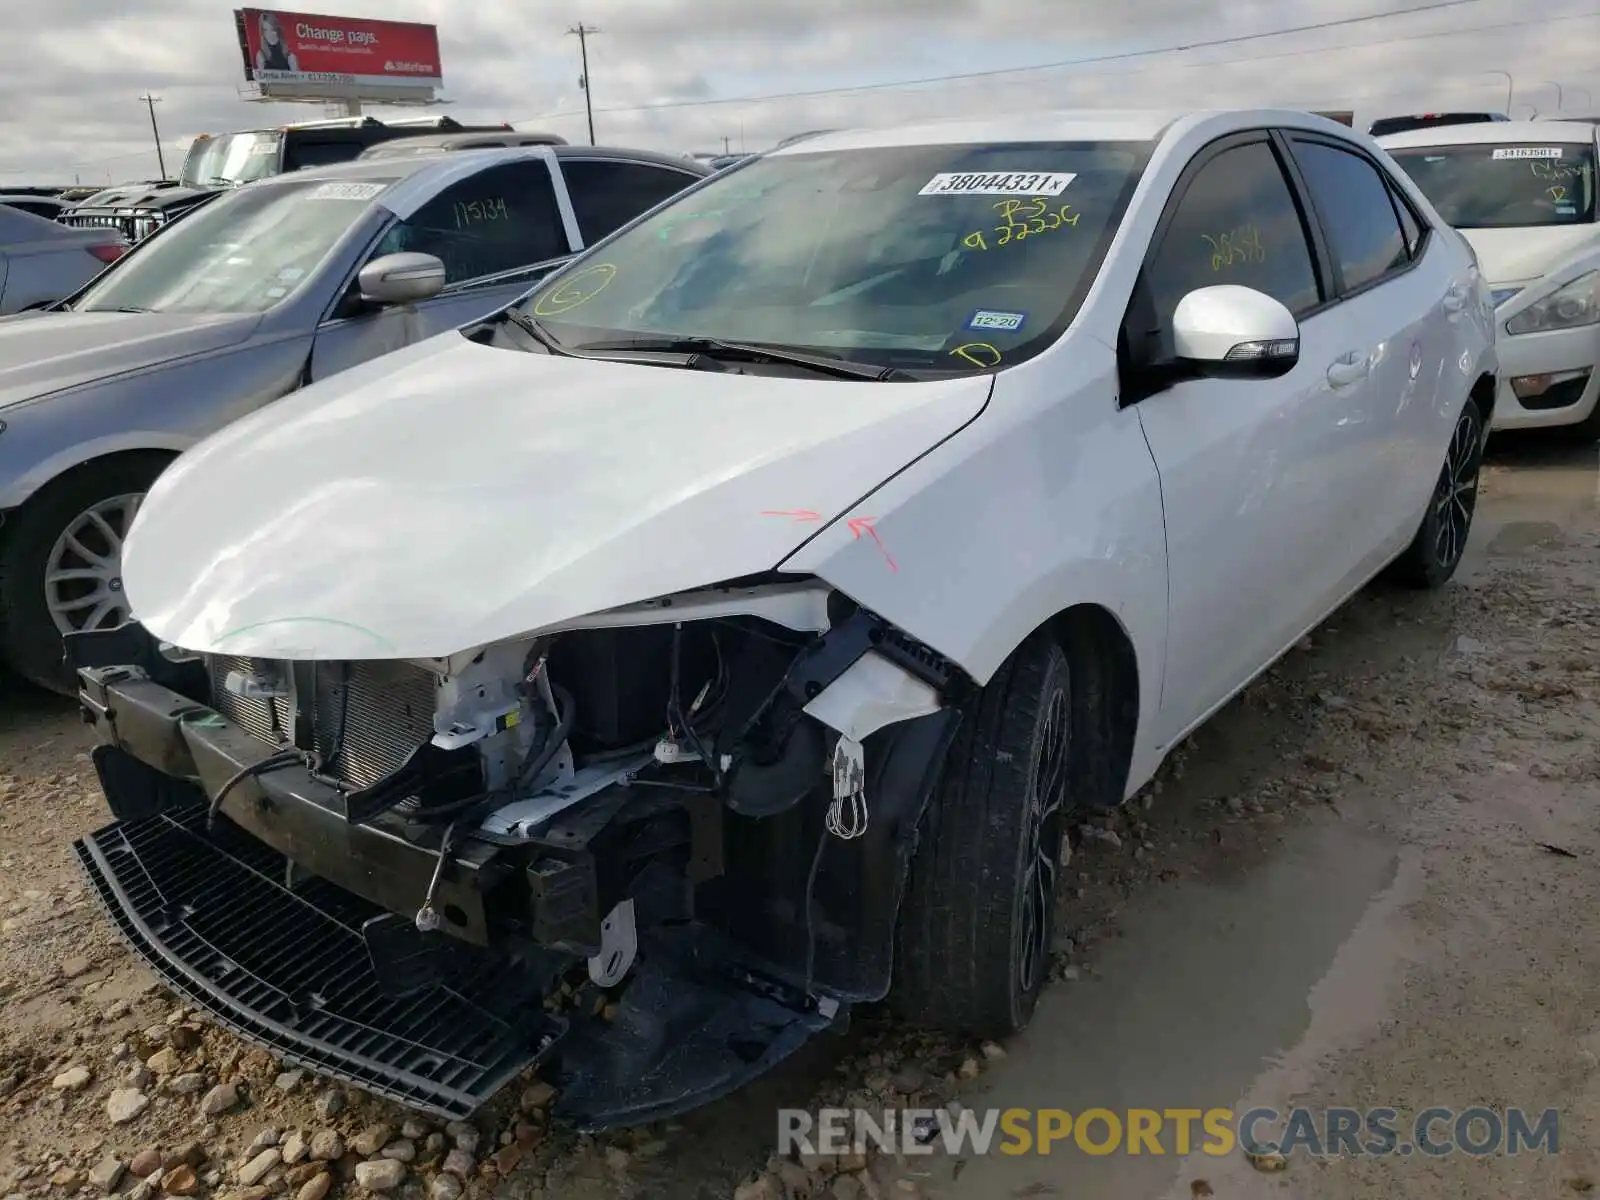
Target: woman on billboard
{"x":274,"y":54}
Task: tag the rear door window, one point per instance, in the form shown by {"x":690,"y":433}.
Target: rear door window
{"x":606,"y":194}
{"x":1352,"y":199}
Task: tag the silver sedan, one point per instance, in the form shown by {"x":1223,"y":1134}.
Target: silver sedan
{"x":282,"y":282}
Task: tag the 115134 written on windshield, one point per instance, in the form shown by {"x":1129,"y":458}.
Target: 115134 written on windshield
{"x":1023,"y":218}
{"x":998,"y":183}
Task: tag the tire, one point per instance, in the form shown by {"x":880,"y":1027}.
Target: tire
{"x":30,"y":639}
{"x":1435,"y":552}
{"x":975,"y":932}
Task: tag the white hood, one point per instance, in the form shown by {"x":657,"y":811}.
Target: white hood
{"x":452,"y":495}
{"x":1519,"y":256}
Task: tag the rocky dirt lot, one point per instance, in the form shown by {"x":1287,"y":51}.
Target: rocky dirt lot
{"x":1459,"y":726}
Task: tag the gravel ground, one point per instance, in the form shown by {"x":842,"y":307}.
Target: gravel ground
{"x":1475,"y":706}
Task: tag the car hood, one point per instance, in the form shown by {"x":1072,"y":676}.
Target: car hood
{"x":1519,"y":256}
{"x":452,"y":495}
{"x":141,"y":195}
{"x":44,"y":353}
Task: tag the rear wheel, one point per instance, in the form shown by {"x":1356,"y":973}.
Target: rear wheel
{"x":976,"y":928}
{"x":1435,"y":553}
{"x":61,"y":563}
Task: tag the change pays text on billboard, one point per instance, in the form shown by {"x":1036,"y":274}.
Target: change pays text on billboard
{"x":294,"y":47}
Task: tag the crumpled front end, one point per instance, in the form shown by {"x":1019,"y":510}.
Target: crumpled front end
{"x":650,"y":855}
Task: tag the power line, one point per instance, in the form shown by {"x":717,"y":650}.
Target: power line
{"x":1181,"y":48}
{"x":583,"y":31}
{"x":1090,"y":61}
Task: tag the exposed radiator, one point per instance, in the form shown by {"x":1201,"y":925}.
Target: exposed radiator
{"x":372,"y":715}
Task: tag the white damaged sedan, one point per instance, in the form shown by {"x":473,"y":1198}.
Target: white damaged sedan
{"x":729,"y":633}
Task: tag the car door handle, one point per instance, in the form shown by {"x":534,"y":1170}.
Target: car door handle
{"x":1348,"y":369}
{"x":1455,"y":299}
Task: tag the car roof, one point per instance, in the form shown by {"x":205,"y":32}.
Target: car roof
{"x":1063,"y":125}
{"x":1491,"y":133}
{"x":358,"y":170}
{"x":427,"y":141}
{"x":414,"y":179}
{"x":624,"y":154}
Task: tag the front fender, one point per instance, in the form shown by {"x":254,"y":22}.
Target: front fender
{"x":1050,"y":499}
{"x":168,"y":408}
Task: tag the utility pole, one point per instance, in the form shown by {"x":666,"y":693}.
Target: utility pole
{"x":583,"y":31}
{"x":150,"y":103}
{"x":726,"y":143}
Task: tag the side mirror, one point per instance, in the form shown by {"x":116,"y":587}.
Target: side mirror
{"x":1233,"y":330}
{"x":401,"y":278}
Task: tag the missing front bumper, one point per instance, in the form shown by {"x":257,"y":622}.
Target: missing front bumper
{"x":266,"y":923}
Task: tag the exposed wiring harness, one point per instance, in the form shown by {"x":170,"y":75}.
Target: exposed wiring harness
{"x":459,"y":815}
{"x":275,"y":761}
{"x":682,"y":722}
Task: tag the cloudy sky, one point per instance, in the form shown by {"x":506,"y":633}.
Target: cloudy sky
{"x":684,"y":75}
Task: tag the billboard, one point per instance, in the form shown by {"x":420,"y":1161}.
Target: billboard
{"x":306,"y":53}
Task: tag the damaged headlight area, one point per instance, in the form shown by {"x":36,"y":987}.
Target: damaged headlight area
{"x":651,"y":853}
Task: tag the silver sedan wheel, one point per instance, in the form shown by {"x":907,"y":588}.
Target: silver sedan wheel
{"x":83,"y":575}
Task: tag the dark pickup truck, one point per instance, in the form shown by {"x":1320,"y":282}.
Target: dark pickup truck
{"x":220,"y":162}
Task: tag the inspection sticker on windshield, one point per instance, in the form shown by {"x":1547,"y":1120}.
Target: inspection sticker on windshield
{"x":345,"y":191}
{"x":1005,"y":322}
{"x":998,"y":183}
{"x":1527,"y":152}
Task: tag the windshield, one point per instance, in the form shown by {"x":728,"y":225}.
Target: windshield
{"x":955,"y":258}
{"x":241,"y":253}
{"x":232,"y":158}
{"x":1505,"y":187}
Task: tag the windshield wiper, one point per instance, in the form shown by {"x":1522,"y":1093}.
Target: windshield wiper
{"x":532,"y":327}
{"x":749,"y":352}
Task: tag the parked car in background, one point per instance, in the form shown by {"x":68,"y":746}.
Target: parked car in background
{"x":42,"y":261}
{"x":216,"y":163}
{"x":436,"y":143}
{"x":1580,"y":118}
{"x":279,"y":283}
{"x":1523,"y":194}
{"x":1384,"y":126}
{"x":47,"y":207}
{"x":727,"y":633}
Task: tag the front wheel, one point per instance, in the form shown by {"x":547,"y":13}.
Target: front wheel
{"x":1435,"y":552}
{"x":976,"y":927}
{"x":61,"y":564}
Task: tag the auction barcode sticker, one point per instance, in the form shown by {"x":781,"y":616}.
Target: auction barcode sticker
{"x":345,"y":191}
{"x":1527,"y":152}
{"x":998,"y":183}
